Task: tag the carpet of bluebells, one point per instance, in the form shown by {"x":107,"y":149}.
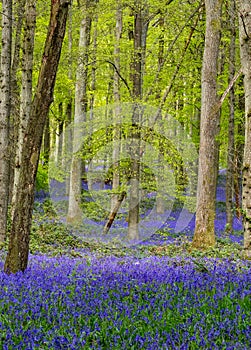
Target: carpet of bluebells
{"x":127,"y":303}
{"x":143,"y":298}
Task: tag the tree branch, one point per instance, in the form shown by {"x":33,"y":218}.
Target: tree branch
{"x":244,"y":25}
{"x":123,"y":79}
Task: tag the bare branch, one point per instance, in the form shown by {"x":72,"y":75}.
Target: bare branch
{"x":123,"y":79}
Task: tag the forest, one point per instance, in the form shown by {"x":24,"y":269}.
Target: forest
{"x":125,"y":174}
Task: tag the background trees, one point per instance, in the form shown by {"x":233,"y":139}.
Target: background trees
{"x":117,"y":52}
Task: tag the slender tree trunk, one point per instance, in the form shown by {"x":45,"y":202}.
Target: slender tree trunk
{"x":245,"y":47}
{"x":74,"y":214}
{"x":18,"y":250}
{"x":230,"y":156}
{"x":60,"y":135}
{"x":204,"y":235}
{"x":117,"y":111}
{"x":133,"y":216}
{"x":114,"y":212}
{"x":68,"y":130}
{"x":26,"y":89}
{"x":47,"y":141}
{"x":239,"y":152}
{"x":5,"y":106}
{"x":18,"y":10}
{"x":94,"y":67}
{"x":160,"y":203}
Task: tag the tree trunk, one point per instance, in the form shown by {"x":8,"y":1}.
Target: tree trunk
{"x":230,"y":153}
{"x":133,"y":215}
{"x":74,"y":214}
{"x":239,"y":152}
{"x":204,"y":235}
{"x":245,"y":48}
{"x":26,"y":89}
{"x":15,"y":89}
{"x":59,"y":151}
{"x":69,"y":108}
{"x":160,"y":203}
{"x":114,"y":212}
{"x":117,"y":111}
{"x":5,"y":105}
{"x":47,"y":141}
{"x":18,"y":250}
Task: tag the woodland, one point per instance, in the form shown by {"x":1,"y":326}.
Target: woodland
{"x":125,"y":174}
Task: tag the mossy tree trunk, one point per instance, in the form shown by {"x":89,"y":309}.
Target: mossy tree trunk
{"x":245,"y":48}
{"x":204,"y":235}
{"x":18,"y":250}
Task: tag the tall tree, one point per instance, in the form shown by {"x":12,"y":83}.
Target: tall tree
{"x":26,"y":89}
{"x":230,"y":156}
{"x":18,"y":250}
{"x":74,"y":214}
{"x":245,"y":49}
{"x":204,"y":235}
{"x":137,"y":66}
{"x":5,"y":106}
{"x":18,"y":14}
{"x":117,"y":98}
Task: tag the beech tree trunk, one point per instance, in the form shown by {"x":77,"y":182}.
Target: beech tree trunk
{"x":47,"y":141}
{"x":133,"y":215}
{"x":60,"y":130}
{"x":230,"y":156}
{"x":5,"y":105}
{"x":26,"y":88}
{"x":204,"y":235}
{"x":160,"y":203}
{"x":18,"y":14}
{"x":245,"y":48}
{"x":116,"y":94}
{"x":18,"y":250}
{"x":74,"y":214}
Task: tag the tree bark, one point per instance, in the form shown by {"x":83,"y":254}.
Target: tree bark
{"x":133,"y":215}
{"x":74,"y":214}
{"x":47,"y":141}
{"x":26,"y":88}
{"x":231,"y":136}
{"x":204,"y":235}
{"x":117,"y":111}
{"x":18,"y":250}
{"x":18,"y":13}
{"x":245,"y":48}
{"x":114,"y":212}
{"x":59,"y":151}
{"x":5,"y":106}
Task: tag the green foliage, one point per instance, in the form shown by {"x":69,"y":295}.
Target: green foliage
{"x":51,"y":237}
{"x":42,"y":178}
{"x":94,"y":211}
{"x":182,"y":247}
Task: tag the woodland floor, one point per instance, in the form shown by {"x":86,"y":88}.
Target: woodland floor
{"x":158,"y":294}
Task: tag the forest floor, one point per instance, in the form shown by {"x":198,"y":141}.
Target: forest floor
{"x":158,"y":294}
